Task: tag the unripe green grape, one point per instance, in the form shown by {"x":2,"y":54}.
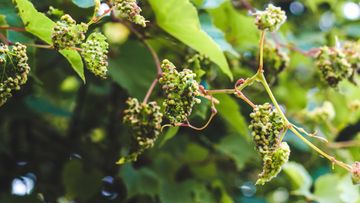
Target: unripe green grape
{"x":333,"y":65}
{"x":266,"y":125}
{"x":275,"y":61}
{"x":181,"y":90}
{"x":273,"y":162}
{"x":352,"y":51}
{"x":271,"y":19}
{"x":94,"y":51}
{"x":144,"y":121}
{"x":14,"y":66}
{"x":131,"y":11}
{"x":67,"y":33}
{"x":324,"y":113}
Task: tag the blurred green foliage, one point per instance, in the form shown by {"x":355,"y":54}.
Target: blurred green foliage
{"x":60,"y":138}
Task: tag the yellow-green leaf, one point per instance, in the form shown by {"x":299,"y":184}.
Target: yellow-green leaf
{"x":180,"y":19}
{"x":41,"y":26}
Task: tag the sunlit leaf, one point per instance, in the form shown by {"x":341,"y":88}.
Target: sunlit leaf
{"x":187,"y":29}
{"x":41,"y":26}
{"x":240,"y":30}
{"x":236,"y":148}
{"x":299,"y":177}
{"x":229,"y":110}
{"x":131,"y":73}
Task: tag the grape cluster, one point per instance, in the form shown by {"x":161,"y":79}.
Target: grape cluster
{"x":355,"y":172}
{"x":130,"y":11}
{"x":67,"y":33}
{"x":181,"y":90}
{"x":271,"y":19}
{"x":324,"y":113}
{"x":144,"y":120}
{"x":273,"y":163}
{"x":94,"y":51}
{"x":198,"y":63}
{"x":275,"y":60}
{"x":352,"y":52}
{"x":15,"y":69}
{"x":266,"y":126}
{"x":333,"y":65}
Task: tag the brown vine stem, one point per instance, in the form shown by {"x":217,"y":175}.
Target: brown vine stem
{"x":17,"y":29}
{"x":152,"y":52}
{"x":345,"y":144}
{"x":221,"y":91}
{"x":244,"y":98}
{"x":5,"y":40}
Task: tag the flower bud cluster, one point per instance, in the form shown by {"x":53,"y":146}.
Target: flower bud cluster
{"x":273,"y":163}
{"x":352,"y":52}
{"x":324,"y":113}
{"x":333,"y":65}
{"x":181,"y":90}
{"x":67,"y":33}
{"x":131,"y":11}
{"x":355,"y":172}
{"x":13,"y":63}
{"x":94,"y":51}
{"x":266,"y":126}
{"x":275,"y":60}
{"x":271,"y":19}
{"x":144,"y":120}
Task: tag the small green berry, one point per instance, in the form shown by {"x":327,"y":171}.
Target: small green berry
{"x":14,"y":65}
{"x":271,"y":19}
{"x":181,"y":90}
{"x":333,"y":65}
{"x":67,"y":33}
{"x":94,"y":51}
{"x":273,"y":163}
{"x":144,"y":121}
{"x":131,"y":11}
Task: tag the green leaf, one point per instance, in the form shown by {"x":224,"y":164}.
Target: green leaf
{"x":216,"y":34}
{"x":236,"y":148}
{"x":180,"y":19}
{"x":131,"y":73}
{"x":3,"y":23}
{"x":195,"y":153}
{"x":186,"y":191}
{"x":240,"y":30}
{"x":142,"y":181}
{"x":170,"y":133}
{"x":331,"y":188}
{"x":326,"y":189}
{"x":300,"y":178}
{"x":81,"y":184}
{"x":84,"y":3}
{"x":229,"y":110}
{"x":41,"y":26}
